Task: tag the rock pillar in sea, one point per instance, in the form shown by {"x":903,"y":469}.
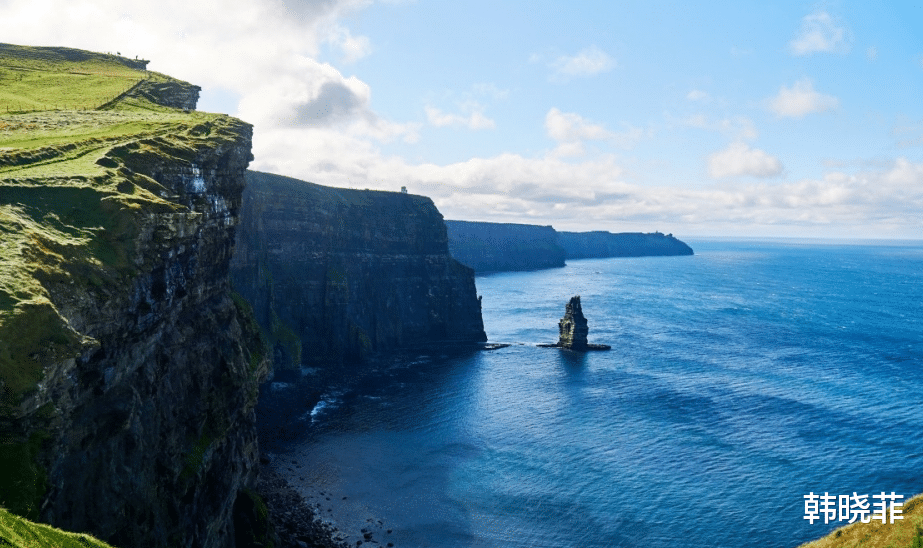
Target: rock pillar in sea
{"x":573,"y":326}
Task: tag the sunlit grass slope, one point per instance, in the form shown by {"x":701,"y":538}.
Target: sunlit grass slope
{"x":62,"y":78}
{"x":21,"y":533}
{"x":905,"y":533}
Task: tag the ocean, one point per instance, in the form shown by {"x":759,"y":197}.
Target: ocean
{"x":740,"y":380}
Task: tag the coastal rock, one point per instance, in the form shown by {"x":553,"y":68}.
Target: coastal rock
{"x":573,"y":326}
{"x":573,"y":329}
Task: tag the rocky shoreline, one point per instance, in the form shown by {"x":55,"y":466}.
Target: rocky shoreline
{"x":299,"y":523}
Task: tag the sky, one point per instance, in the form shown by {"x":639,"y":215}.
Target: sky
{"x":751,"y":119}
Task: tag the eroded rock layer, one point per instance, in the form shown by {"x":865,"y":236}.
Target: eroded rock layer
{"x":335,"y":275}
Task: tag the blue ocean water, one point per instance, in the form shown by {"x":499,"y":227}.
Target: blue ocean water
{"x":740,"y":379}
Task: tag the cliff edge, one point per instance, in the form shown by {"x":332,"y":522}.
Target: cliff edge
{"x":336,"y":275}
{"x":128,"y":374}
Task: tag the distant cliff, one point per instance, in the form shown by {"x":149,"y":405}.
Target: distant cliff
{"x":489,"y":247}
{"x":335,"y":275}
{"x":128,"y":374}
{"x":600,"y":244}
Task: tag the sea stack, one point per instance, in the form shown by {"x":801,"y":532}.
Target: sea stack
{"x":573,"y":330}
{"x":573,"y":327}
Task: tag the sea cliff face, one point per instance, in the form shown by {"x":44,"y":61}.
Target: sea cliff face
{"x":129,"y":375}
{"x":487,"y":247}
{"x":601,"y":244}
{"x":336,"y":275}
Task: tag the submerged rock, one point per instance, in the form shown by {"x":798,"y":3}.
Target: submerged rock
{"x":573,"y":329}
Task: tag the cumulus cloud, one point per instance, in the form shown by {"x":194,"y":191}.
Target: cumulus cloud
{"x":240,"y":46}
{"x":800,"y":100}
{"x":475,"y":120}
{"x":819,"y":33}
{"x":739,"y":159}
{"x":586,"y":62}
{"x":598,"y":192}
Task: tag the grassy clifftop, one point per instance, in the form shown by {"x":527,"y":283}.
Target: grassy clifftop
{"x":21,"y":533}
{"x":69,"y":198}
{"x":904,"y":533}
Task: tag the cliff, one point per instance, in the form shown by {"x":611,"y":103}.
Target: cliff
{"x":601,"y":244}
{"x":489,"y":247}
{"x":128,"y":374}
{"x":336,"y":275}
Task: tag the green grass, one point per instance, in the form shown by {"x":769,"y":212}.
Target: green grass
{"x":904,"y":533}
{"x":18,"y":532}
{"x":36,"y":79}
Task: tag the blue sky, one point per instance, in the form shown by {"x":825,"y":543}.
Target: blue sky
{"x":729,"y":119}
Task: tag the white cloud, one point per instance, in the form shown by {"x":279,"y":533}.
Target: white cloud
{"x":236,"y":45}
{"x":740,"y":128}
{"x":567,"y":126}
{"x":586,"y":62}
{"x":490,"y":90}
{"x":475,"y":120}
{"x":696,"y":95}
{"x":570,"y":128}
{"x":739,"y":159}
{"x":596,"y":192}
{"x":819,"y":33}
{"x":316,"y":123}
{"x":872,"y":53}
{"x":353,"y":47}
{"x":800,"y":100}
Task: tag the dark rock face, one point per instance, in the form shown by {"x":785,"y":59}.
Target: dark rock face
{"x":159,"y":433}
{"x":601,"y":244}
{"x":179,"y":95}
{"x":573,"y":326}
{"x":150,"y":431}
{"x":335,"y":275}
{"x":487,"y":247}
